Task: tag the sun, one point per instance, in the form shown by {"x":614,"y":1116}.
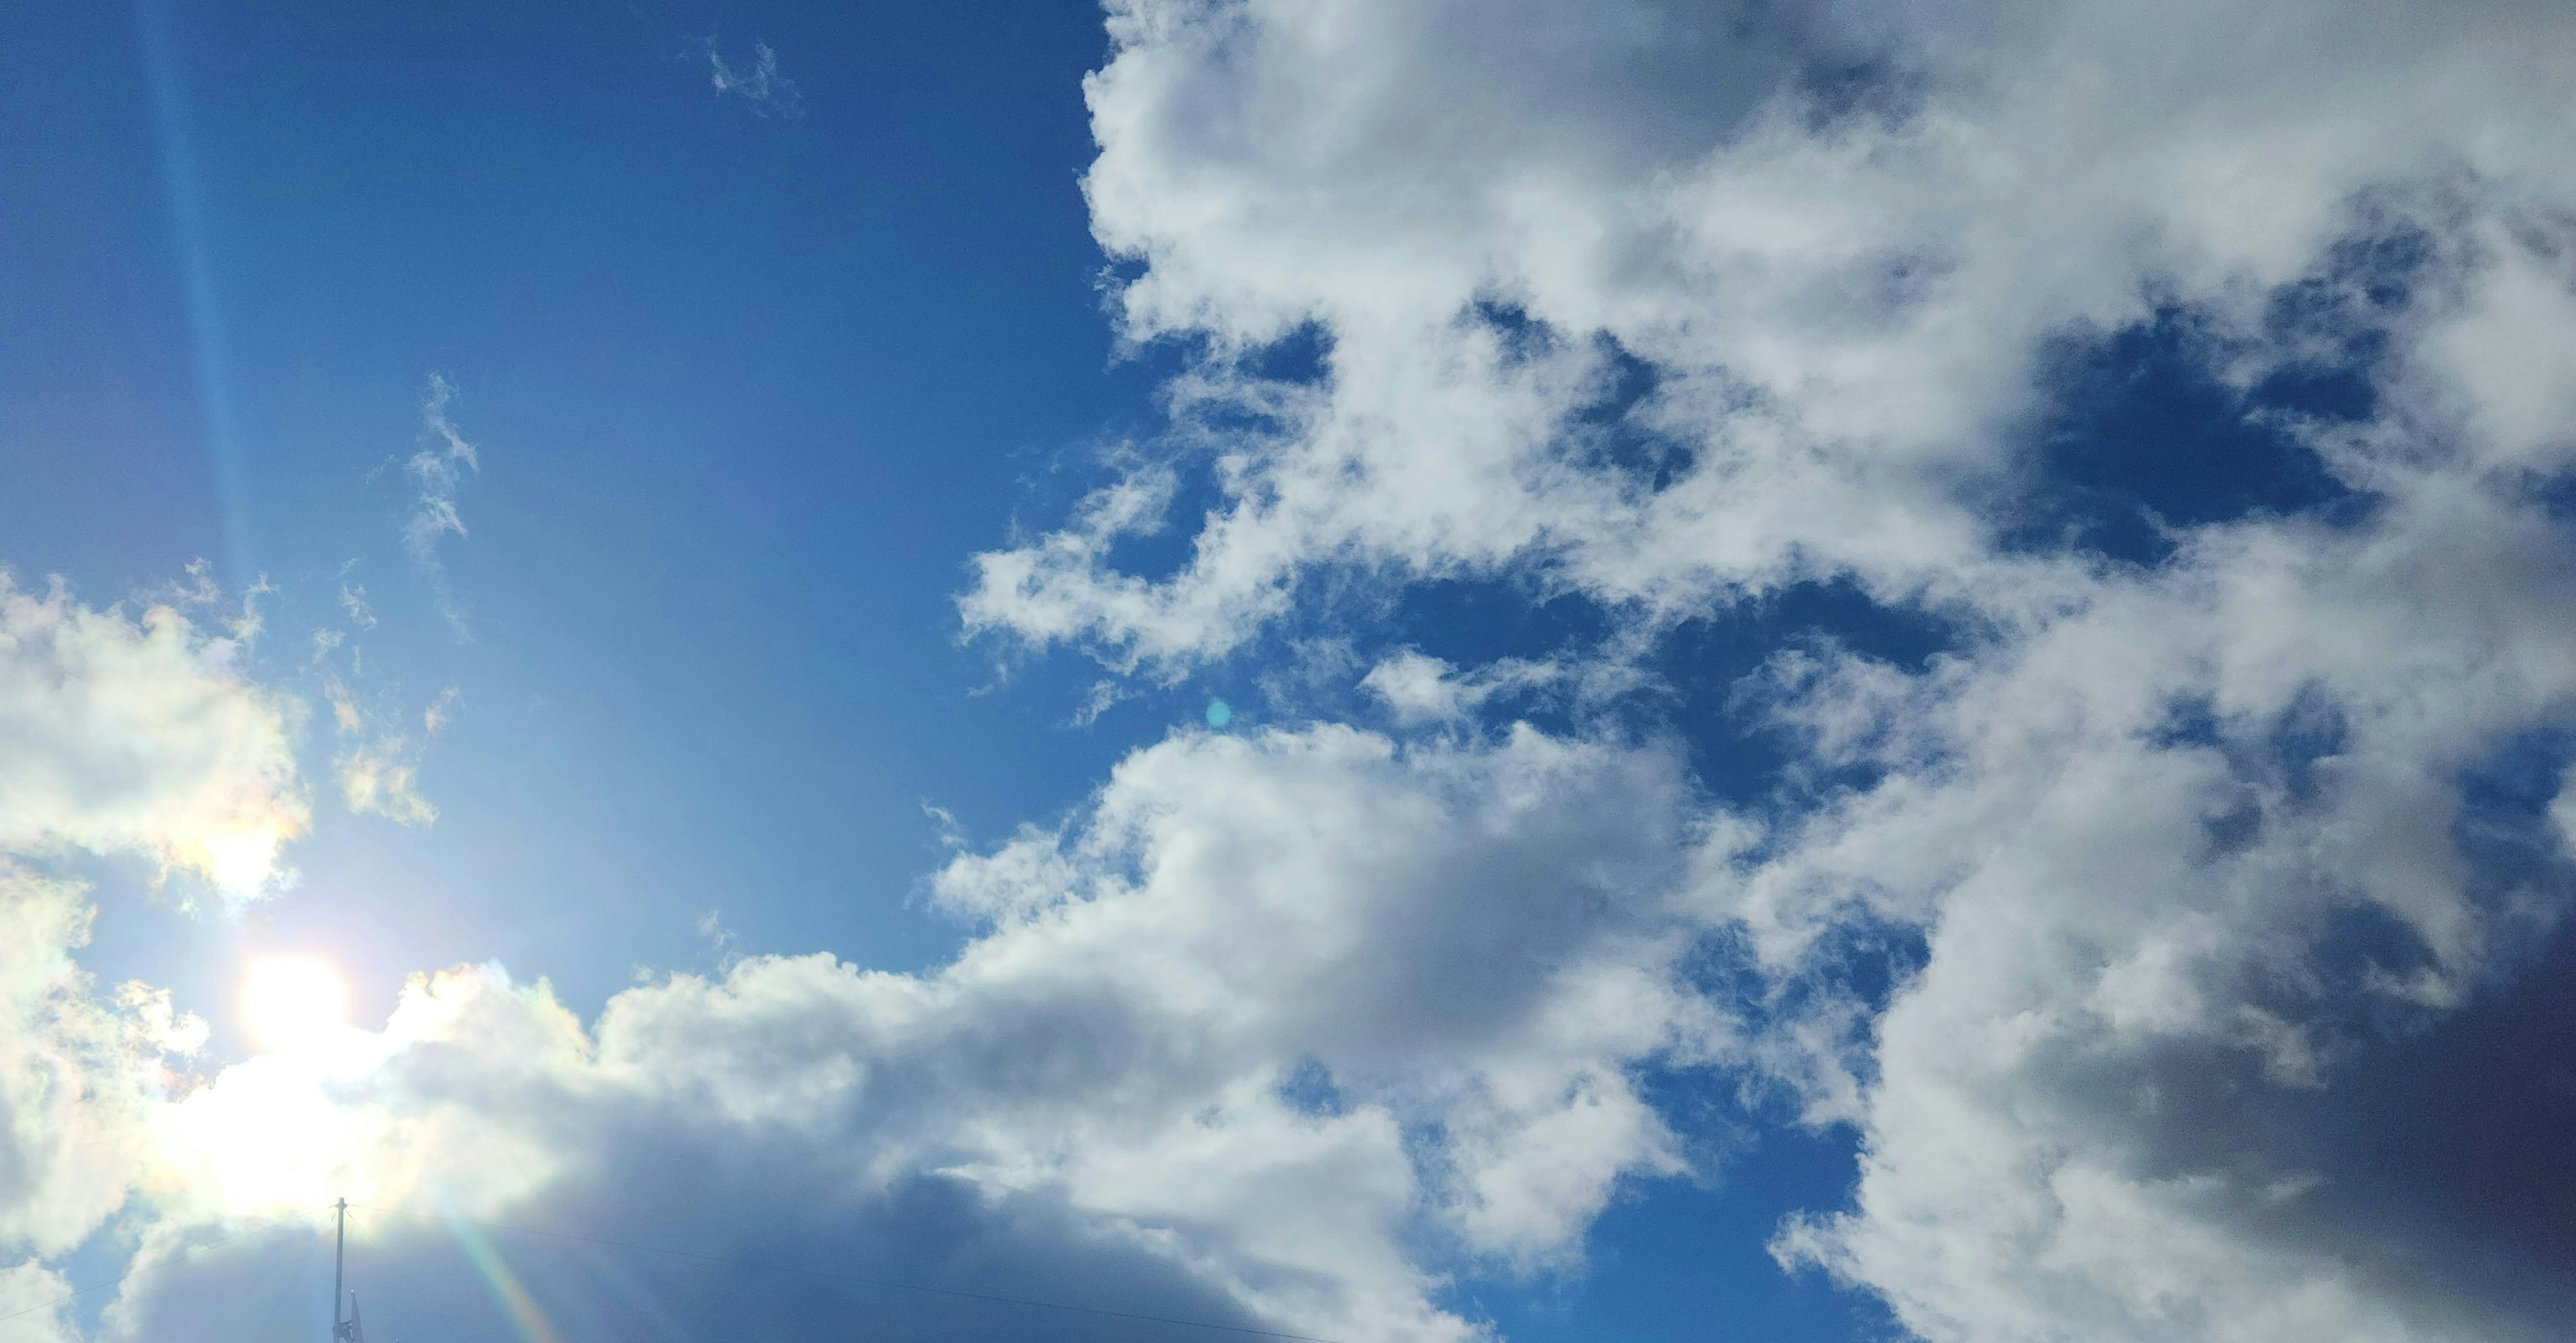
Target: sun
{"x":289,"y":1002}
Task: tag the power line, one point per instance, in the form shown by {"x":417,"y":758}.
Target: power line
{"x":190,"y":1251}
{"x":851,"y":1278}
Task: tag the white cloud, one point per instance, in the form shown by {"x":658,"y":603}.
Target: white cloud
{"x":118,"y":734}
{"x":1844,"y":305}
{"x":1418,"y":689}
{"x":1476,"y":940}
{"x":80,"y":1073}
{"x":770,"y":93}
{"x":140,"y":734}
{"x":2075,"y":1127}
{"x":437,"y":469}
{"x":353,"y":603}
{"x":2506,"y":348}
{"x":26,"y":1292}
{"x":1101,"y":1083}
{"x":2141,"y":815}
{"x":378,"y":766}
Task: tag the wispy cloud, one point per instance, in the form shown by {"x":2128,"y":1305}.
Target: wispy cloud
{"x":353,"y":599}
{"x":378,"y":765}
{"x":759,"y":84}
{"x":436,"y":471}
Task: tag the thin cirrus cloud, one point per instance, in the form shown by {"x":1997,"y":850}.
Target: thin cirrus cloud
{"x":378,"y":763}
{"x":378,"y":766}
{"x":436,"y":469}
{"x":758,"y":84}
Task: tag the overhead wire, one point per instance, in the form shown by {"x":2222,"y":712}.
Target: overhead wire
{"x":852,"y":1278}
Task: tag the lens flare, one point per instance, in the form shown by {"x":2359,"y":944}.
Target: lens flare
{"x":291,"y":1002}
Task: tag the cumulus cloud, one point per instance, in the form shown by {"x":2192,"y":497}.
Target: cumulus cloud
{"x":80,"y":1073}
{"x":124,"y":734}
{"x":2191,"y":829}
{"x":28,"y":1297}
{"x":139,"y":733}
{"x":1227,"y":1043}
{"x":1841,"y":283}
{"x":1269,"y":1009}
{"x":2177,"y":855}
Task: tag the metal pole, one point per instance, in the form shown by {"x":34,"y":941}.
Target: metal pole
{"x":339,"y":1248}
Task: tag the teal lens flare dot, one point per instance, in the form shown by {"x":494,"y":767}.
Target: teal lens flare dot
{"x":1219,"y":713}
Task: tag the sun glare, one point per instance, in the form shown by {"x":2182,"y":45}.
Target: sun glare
{"x":289,"y":1002}
{"x":242,"y":864}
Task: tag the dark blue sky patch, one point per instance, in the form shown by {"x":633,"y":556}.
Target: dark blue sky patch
{"x":1706,"y":665}
{"x":1698,"y":670}
{"x":1833,"y":87}
{"x":1605,"y":432}
{"x":2335,"y":323}
{"x":2368,"y":279}
{"x":1521,"y":336}
{"x":2310,"y":730}
{"x":2190,"y":720}
{"x":1860,"y":960}
{"x":1474,"y":621}
{"x":2143,"y":432}
{"x":1682,"y":1260}
{"x":2144,"y":429}
{"x":1302,"y":357}
{"x":2556,"y":496}
{"x":2515,"y":864}
{"x":1609,"y":434}
{"x":1299,"y":359}
{"x":1163,"y":551}
{"x":2361,"y":949}
{"x":2514,"y":785}
{"x":2271,"y":762}
{"x":2515,"y":852}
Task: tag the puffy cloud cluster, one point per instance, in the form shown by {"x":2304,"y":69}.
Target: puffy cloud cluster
{"x":2184,"y":858}
{"x":1234,"y":1044}
{"x":1671,"y":306}
{"x":1268,"y":1015}
{"x":1840,"y":238}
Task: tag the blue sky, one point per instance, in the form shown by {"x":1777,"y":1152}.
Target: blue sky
{"x":1883,"y":674}
{"x":784,"y":375}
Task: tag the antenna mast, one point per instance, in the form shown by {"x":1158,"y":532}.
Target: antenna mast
{"x":342,"y":1331}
